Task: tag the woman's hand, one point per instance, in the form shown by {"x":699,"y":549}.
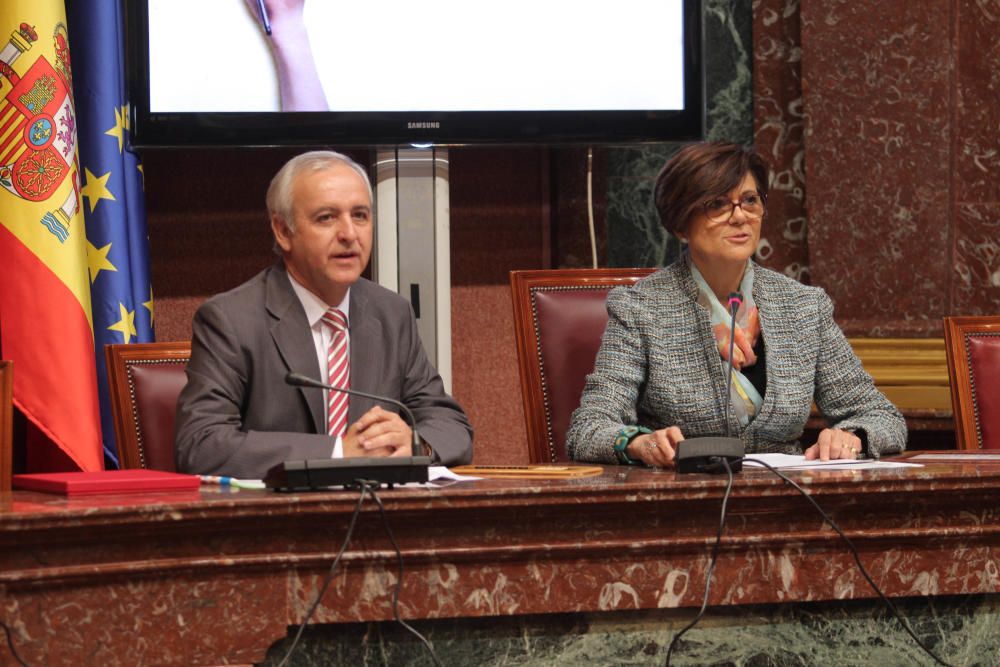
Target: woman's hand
{"x":658,"y":448}
{"x":834,"y":443}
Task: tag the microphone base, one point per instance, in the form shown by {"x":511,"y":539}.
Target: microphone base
{"x":705,"y":455}
{"x":322,"y":474}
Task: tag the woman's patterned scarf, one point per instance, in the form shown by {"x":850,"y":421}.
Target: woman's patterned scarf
{"x":745,"y":398}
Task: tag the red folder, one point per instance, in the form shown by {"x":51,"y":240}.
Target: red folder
{"x":106,"y":481}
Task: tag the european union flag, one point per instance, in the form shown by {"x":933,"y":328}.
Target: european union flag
{"x":111,"y":189}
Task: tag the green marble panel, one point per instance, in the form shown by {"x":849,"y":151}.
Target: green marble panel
{"x":962,"y":630}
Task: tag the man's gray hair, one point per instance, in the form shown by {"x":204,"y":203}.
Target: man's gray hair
{"x":279,"y":193}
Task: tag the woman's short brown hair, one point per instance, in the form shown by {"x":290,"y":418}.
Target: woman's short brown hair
{"x":700,"y":172}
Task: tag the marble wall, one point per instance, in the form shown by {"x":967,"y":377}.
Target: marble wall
{"x":877,"y":80}
{"x":900,"y":151}
{"x":779,"y":127}
{"x":975,"y":244}
{"x":881,"y":125}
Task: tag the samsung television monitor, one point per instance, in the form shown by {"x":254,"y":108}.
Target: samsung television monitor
{"x":243,"y":73}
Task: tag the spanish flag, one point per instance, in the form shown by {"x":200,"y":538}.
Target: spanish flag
{"x":45,"y":309}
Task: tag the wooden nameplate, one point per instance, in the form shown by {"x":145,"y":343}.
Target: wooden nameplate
{"x":535,"y":471}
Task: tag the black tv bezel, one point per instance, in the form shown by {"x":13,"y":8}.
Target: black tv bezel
{"x":443,"y":128}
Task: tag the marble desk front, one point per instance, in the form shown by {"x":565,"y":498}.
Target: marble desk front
{"x":217,"y":576}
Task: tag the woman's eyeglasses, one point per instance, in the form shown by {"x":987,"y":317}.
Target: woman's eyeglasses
{"x":721,"y":209}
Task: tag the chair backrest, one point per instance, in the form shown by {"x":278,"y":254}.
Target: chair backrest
{"x":145,"y":380}
{"x":6,"y":423}
{"x":973,"y":348}
{"x":559,"y":319}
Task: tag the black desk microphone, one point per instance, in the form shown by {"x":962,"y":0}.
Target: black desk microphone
{"x":353,"y":471}
{"x":706,"y":454}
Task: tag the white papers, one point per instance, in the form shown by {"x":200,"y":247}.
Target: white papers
{"x":439,"y":477}
{"x":435,"y":473}
{"x":799,"y":462}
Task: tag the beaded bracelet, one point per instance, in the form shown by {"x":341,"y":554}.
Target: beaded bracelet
{"x":621,"y":443}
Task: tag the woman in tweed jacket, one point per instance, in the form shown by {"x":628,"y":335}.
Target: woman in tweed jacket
{"x":660,"y":375}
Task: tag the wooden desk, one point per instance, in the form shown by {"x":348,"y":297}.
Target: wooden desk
{"x":217,"y":576}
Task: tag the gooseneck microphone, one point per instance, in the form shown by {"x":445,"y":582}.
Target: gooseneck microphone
{"x":352,"y":472}
{"x":299,"y":380}
{"x":735,"y":301}
{"x":706,"y":454}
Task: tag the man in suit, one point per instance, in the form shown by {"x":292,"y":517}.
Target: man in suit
{"x":236,"y":416}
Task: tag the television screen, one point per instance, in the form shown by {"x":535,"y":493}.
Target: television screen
{"x":253,"y":72}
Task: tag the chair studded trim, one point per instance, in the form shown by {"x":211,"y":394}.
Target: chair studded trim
{"x":144,"y":380}
{"x":546,"y":397}
{"x":972,"y":345}
{"x":133,"y":400}
{"x":972,"y":381}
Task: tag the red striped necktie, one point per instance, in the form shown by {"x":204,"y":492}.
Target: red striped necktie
{"x":338,"y":372}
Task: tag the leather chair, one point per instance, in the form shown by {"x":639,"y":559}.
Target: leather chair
{"x":559,"y":319}
{"x":6,"y":424}
{"x":973,"y":348}
{"x":145,"y":380}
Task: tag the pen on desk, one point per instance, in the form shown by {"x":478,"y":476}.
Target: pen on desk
{"x":232,"y":481}
{"x":264,"y":19}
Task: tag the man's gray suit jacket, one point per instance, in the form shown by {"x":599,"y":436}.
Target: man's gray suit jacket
{"x":236,"y":416}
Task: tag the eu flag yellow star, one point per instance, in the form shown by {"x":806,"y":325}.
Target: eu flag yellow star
{"x":96,"y":188}
{"x":121,"y":125}
{"x":126,"y":325}
{"x":97,"y":260}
